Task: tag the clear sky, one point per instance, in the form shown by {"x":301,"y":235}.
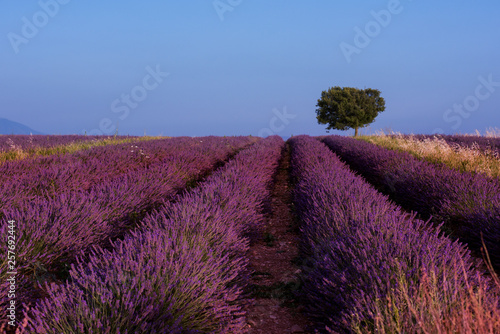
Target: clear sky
{"x":240,"y":67}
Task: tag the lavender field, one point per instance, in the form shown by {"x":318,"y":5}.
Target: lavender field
{"x":159,"y":235}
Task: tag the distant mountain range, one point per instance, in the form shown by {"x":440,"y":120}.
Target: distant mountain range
{"x":8,"y":127}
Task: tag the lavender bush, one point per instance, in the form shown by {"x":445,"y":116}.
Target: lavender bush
{"x":54,"y":227}
{"x":371,"y":267}
{"x":182,"y":271}
{"x":469,"y":204}
{"x":58,"y":173}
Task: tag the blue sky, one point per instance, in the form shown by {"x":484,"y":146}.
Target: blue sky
{"x":238,"y":67}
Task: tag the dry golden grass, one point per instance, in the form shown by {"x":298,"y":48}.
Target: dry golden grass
{"x":436,"y":150}
{"x":17,"y":153}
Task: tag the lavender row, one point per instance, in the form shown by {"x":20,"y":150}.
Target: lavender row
{"x":53,"y":231}
{"x":27,"y":142}
{"x":182,"y":272}
{"x":367,"y":260}
{"x":469,"y":204}
{"x":64,"y":173}
{"x":177,"y":161}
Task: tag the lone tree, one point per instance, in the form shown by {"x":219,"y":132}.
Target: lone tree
{"x":343,"y":108}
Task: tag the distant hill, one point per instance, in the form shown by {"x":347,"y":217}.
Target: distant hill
{"x":8,"y":127}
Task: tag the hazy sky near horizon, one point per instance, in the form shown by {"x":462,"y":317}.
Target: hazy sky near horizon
{"x":238,"y":67}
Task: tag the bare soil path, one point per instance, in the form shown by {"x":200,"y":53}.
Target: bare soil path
{"x":273,"y":308}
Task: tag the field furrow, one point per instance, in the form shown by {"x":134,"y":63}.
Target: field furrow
{"x":274,"y":307}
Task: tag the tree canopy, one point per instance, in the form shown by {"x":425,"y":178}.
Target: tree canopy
{"x":343,"y":108}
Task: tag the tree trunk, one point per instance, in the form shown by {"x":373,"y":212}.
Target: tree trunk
{"x":355,"y":131}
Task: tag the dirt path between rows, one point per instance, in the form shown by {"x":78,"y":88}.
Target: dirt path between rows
{"x":274,"y":309}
